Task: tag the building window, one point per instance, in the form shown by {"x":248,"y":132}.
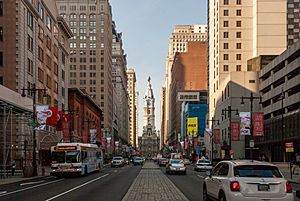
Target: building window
{"x":40,"y":54}
{"x":238,"y":23}
{"x":252,"y":81}
{"x":29,"y":43}
{"x":1,"y":33}
{"x":225,"y":67}
{"x":238,"y":2}
{"x":226,"y":2}
{"x":225,"y":34}
{"x":226,"y":57}
{"x":30,"y":19}
{"x":238,"y":34}
{"x":82,"y":16}
{"x":48,"y":43}
{"x":239,"y":12}
{"x":226,"y":45}
{"x":30,"y":66}
{"x":238,"y":45}
{"x":48,"y":82}
{"x":1,"y":8}
{"x":41,"y":11}
{"x":55,"y":68}
{"x":238,"y":56}
{"x":41,"y":33}
{"x":49,"y":22}
{"x":41,"y":75}
{"x":238,"y":67}
{"x":73,"y":8}
{"x":226,"y":24}
{"x":226,"y":13}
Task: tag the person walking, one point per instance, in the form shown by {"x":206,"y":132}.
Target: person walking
{"x":13,"y":167}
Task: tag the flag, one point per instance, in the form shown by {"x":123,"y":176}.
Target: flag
{"x":258,"y":124}
{"x":46,"y":115}
{"x":235,"y":131}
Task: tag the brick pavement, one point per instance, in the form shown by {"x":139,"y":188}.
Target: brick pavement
{"x":152,"y":185}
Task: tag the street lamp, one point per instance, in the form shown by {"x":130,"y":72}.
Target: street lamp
{"x":251,"y":98}
{"x":33,"y":90}
{"x":212,"y":135}
{"x":229,"y":110}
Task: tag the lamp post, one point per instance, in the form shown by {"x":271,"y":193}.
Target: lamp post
{"x":33,"y":90}
{"x":251,"y":98}
{"x":212,"y":135}
{"x":229,"y":110}
{"x":282,"y":123}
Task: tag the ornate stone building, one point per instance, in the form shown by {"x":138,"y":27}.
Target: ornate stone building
{"x":149,"y":141}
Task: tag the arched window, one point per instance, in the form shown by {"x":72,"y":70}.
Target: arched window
{"x":82,"y":16}
{"x":73,"y":16}
{"x":92,"y":16}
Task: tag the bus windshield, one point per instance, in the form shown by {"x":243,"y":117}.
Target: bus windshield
{"x":65,"y":157}
{"x":58,"y":157}
{"x":72,"y":157}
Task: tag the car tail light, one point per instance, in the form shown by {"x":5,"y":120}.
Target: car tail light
{"x":235,"y":186}
{"x":288,"y":187}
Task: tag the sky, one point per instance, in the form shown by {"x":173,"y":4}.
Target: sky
{"x":146,"y":26}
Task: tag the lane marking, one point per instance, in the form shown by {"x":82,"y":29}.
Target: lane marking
{"x":33,"y":182}
{"x":2,"y":192}
{"x":75,"y":188}
{"x":200,"y":176}
{"x":31,"y":187}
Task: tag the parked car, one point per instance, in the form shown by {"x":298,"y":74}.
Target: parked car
{"x":138,"y":161}
{"x":246,"y":180}
{"x":175,"y":166}
{"x":117,"y":161}
{"x":162,"y":162}
{"x":203,"y":165}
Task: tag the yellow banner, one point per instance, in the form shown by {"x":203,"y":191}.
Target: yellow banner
{"x":192,"y":126}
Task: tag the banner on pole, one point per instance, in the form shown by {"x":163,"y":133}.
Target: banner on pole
{"x":46,"y":115}
{"x":216,"y":135}
{"x":258,"y":124}
{"x":192,"y":126}
{"x":235,"y":131}
{"x":93,"y":133}
{"x":245,"y":121}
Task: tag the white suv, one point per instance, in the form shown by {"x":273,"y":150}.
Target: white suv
{"x":247,"y":181}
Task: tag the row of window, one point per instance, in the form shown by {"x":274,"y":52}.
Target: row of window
{"x":238,"y":2}
{"x":72,"y":16}
{"x":83,"y":45}
{"x":238,"y":57}
{"x":226,"y":23}
{"x":238,"y":12}
{"x":81,"y":7}
{"x":226,"y":34}
{"x":82,"y":24}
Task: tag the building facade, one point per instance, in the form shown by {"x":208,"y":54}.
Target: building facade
{"x":34,"y":52}
{"x":133,"y":118}
{"x":238,"y":32}
{"x":149,"y":141}
{"x":181,"y":35}
{"x":279,"y":86}
{"x":189,"y":73}
{"x":119,"y":62}
{"x":91,"y":51}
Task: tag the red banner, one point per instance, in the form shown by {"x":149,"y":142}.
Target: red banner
{"x":235,"y":131}
{"x":66,"y":126}
{"x":258,"y":124}
{"x":216,"y":135}
{"x":52,"y":119}
{"x":85,"y":136}
{"x":195,"y":142}
{"x":59,"y":121}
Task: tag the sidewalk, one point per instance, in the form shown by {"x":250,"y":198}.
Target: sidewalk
{"x":152,"y":185}
{"x":285,"y":170}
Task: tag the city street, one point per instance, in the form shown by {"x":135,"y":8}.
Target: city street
{"x":109,"y":184}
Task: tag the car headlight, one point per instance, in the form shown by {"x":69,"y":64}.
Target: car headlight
{"x":172,"y":168}
{"x":183,"y":168}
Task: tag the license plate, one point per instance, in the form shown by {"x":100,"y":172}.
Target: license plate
{"x":263,"y":187}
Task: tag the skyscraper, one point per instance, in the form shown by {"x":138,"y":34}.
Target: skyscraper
{"x":91,"y":51}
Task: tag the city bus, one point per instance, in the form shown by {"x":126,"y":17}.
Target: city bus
{"x":75,"y":159}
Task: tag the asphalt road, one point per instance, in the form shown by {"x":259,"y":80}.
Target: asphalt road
{"x":190,"y":184}
{"x":110,"y":184}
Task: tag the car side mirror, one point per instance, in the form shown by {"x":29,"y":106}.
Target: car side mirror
{"x":208,"y":173}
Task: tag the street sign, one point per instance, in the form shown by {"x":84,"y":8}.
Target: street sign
{"x":251,"y":143}
{"x":289,"y":147}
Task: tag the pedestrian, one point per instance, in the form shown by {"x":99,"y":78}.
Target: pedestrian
{"x":293,"y":165}
{"x":13,"y":167}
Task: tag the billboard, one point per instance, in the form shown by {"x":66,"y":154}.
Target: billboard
{"x":245,"y":118}
{"x":199,"y":111}
{"x":188,"y":96}
{"x":258,"y":124}
{"x":192,"y":126}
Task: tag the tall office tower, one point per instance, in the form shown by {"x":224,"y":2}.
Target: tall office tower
{"x":181,"y":35}
{"x":136,"y":139}
{"x":34,"y":55}
{"x":162,"y":116}
{"x":293,"y":17}
{"x":240,"y":30}
{"x":119,"y":62}
{"x":91,"y":50}
{"x":131,"y":87}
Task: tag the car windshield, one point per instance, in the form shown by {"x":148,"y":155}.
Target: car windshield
{"x":117,"y":158}
{"x":138,"y":159}
{"x":257,"y":171}
{"x":203,"y":161}
{"x":176,"y":161}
